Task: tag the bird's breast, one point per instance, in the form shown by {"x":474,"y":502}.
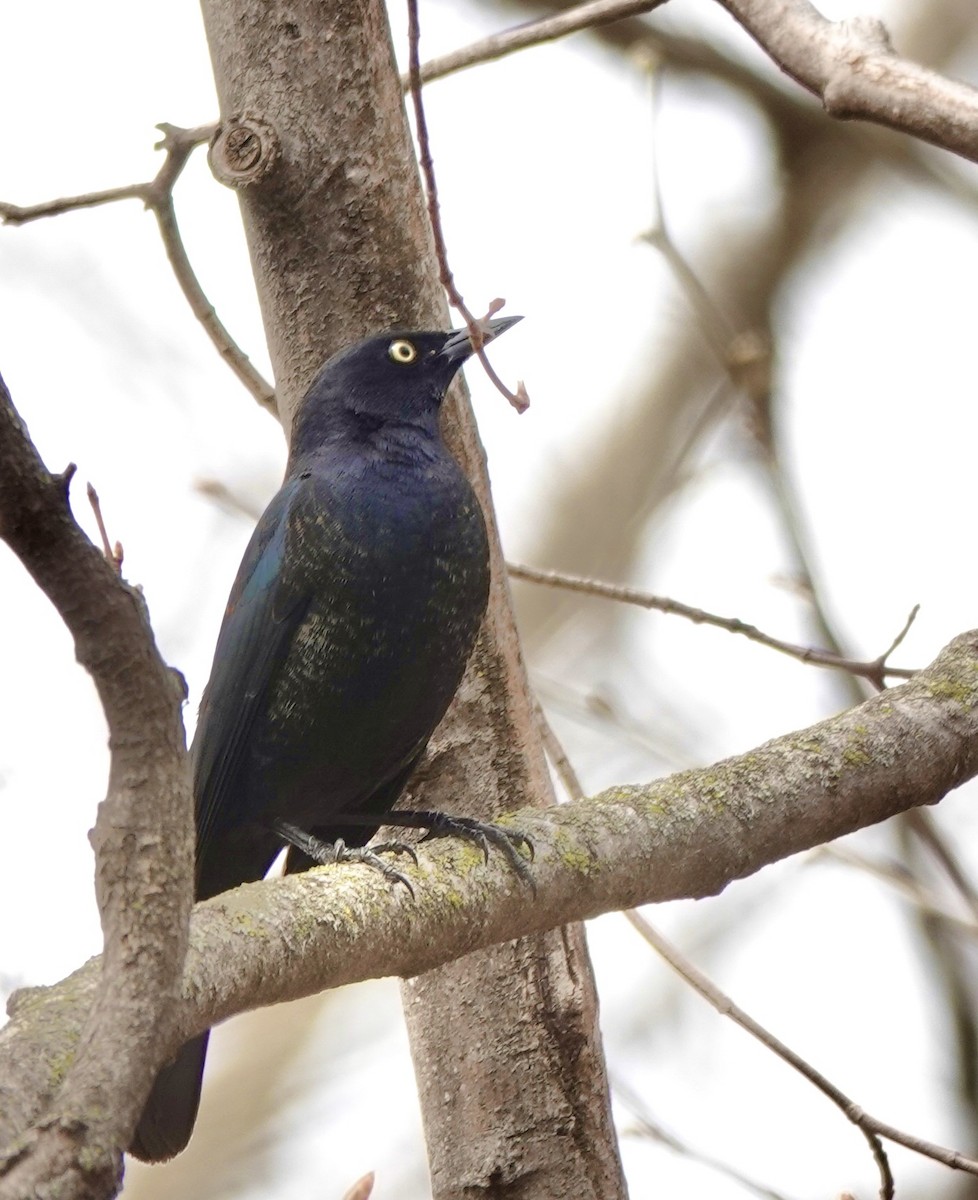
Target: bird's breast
{"x":397,"y":584}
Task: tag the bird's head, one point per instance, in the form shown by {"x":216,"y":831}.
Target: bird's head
{"x":389,"y":379}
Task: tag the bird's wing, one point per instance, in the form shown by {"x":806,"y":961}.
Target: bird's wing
{"x":266,"y":606}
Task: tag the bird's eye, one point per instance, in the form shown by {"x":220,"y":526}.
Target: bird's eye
{"x":402,"y":351}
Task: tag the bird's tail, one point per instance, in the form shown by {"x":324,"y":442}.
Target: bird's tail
{"x":171,"y":1109}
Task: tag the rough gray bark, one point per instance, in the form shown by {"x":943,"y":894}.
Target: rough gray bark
{"x":340,"y":245}
{"x":685,"y":836}
{"x":142,"y":842}
{"x":852,"y":67}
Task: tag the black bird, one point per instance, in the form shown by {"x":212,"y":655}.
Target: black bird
{"x":346,"y":634}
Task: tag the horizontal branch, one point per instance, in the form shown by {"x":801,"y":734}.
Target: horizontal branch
{"x":876,"y":671}
{"x":685,"y":836}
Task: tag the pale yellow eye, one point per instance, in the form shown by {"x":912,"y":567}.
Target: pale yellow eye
{"x":402,"y":351}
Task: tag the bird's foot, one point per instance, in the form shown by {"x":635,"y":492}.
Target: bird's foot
{"x":483,"y":833}
{"x":370,"y":855}
{"x":327,"y":853}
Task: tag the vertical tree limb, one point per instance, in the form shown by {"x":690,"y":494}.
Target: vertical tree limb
{"x":341,"y":247}
{"x":142,"y":841}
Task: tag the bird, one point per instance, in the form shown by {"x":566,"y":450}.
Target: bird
{"x":346,"y":634}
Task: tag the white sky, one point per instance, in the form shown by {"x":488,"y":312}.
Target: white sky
{"x":876,"y":340}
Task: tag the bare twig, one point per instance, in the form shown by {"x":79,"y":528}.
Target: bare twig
{"x":651,"y":1128}
{"x":476,"y":325}
{"x":899,"y":878}
{"x":871,"y":1128}
{"x":362,"y":1189}
{"x":746,"y":358}
{"x":178,"y":144}
{"x":876,"y":671}
{"x":17,"y":214}
{"x":160,"y":200}
{"x":926,"y":830}
{"x":532,"y":33}
{"x":621,"y":1091}
{"x":558,"y":756}
{"x":727,"y":1008}
{"x":849,"y":65}
{"x":898,"y":640}
{"x":157,"y":195}
{"x":952,"y":966}
{"x":717,"y":330}
{"x":113,"y":554}
{"x":234,"y":503}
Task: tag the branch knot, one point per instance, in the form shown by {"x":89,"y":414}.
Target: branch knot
{"x":244,"y":150}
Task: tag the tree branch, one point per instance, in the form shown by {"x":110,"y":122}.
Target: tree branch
{"x":852,"y":67}
{"x":157,"y":195}
{"x":143,"y":849}
{"x":531,"y":33}
{"x":876,"y":671}
{"x":727,"y":1008}
{"x":685,"y":836}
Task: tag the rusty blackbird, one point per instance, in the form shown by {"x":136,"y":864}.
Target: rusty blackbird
{"x":346,"y":634}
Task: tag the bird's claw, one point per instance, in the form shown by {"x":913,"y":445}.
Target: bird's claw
{"x":370,"y":857}
{"x":395,"y":848}
{"x":327,"y":853}
{"x":485,"y":834}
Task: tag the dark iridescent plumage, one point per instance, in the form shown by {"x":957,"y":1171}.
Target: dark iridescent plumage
{"x":347,"y":631}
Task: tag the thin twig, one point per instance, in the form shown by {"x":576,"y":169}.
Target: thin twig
{"x":873,"y":671}
{"x":871,"y":1127}
{"x":232,"y":502}
{"x":898,"y":640}
{"x":362,"y":1189}
{"x":898,"y":878}
{"x":925,"y":829}
{"x":594,"y":709}
{"x":952,"y":969}
{"x":727,"y":1008}
{"x":178,"y":144}
{"x":17,"y":214}
{"x":476,"y":326}
{"x":721,"y":335}
{"x":746,"y":357}
{"x":157,"y":195}
{"x":531,"y":33}
{"x":647,"y":1125}
{"x":850,"y":65}
{"x":113,"y":554}
{"x":161,"y":202}
{"x":557,"y":755}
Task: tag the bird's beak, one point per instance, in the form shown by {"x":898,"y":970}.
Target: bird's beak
{"x":459,"y":346}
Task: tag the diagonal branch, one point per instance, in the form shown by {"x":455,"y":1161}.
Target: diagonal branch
{"x":726,"y":1007}
{"x":160,"y":200}
{"x":157,"y":195}
{"x":852,"y":67}
{"x":685,"y":836}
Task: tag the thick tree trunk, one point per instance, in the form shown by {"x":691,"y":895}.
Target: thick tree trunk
{"x":512,"y":1080}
